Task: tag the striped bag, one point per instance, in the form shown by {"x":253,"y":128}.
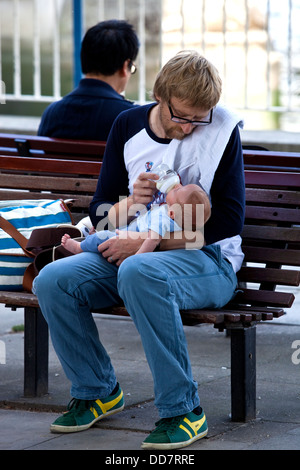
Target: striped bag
{"x":17,"y":221}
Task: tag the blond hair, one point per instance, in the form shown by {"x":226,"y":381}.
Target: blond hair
{"x":189,"y":77}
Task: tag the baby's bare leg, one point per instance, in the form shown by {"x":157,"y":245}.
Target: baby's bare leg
{"x":71,"y":245}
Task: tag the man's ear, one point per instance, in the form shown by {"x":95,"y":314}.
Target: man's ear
{"x":125,"y":69}
{"x":156,"y":98}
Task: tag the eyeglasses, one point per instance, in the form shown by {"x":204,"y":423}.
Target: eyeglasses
{"x":132,"y":67}
{"x":181,"y":120}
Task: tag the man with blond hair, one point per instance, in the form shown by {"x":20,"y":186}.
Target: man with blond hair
{"x":187,"y":129}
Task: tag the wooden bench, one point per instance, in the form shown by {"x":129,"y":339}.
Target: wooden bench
{"x":265,"y":160}
{"x":30,"y":146}
{"x":272,"y":258}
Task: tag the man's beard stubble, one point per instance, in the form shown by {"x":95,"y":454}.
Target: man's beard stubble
{"x":173,"y":130}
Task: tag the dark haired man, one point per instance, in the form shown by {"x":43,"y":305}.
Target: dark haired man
{"x":108,"y":52}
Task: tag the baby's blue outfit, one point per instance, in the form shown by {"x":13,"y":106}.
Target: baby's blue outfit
{"x":156,"y":219}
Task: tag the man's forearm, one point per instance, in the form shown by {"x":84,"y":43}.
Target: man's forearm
{"x":119,"y":214}
{"x":150,"y":243}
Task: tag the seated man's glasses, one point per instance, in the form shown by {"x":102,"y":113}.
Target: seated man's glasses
{"x":181,"y":120}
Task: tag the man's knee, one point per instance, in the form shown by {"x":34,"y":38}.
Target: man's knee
{"x":132,"y":274}
{"x":137,"y":272}
{"x":128,"y":273}
{"x":45,"y":279}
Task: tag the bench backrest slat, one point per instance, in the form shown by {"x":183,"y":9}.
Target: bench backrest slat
{"x":46,"y":165}
{"x":263,"y":254}
{"x":275,"y":196}
{"x":80,"y":204}
{"x":264,"y":160}
{"x":283,"y":277}
{"x":273,"y":214}
{"x":46,"y":183}
{"x":267,"y":178}
{"x":267,"y":233}
{"x":26,"y":145}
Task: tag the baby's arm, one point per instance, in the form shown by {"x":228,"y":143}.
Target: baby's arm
{"x":150,"y":243}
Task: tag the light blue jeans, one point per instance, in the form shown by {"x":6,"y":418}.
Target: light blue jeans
{"x":153,"y":287}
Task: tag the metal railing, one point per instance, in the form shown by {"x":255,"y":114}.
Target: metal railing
{"x":44,"y":31}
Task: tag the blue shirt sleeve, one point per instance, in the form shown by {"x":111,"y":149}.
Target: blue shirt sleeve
{"x":227,"y":194}
{"x":113,"y":178}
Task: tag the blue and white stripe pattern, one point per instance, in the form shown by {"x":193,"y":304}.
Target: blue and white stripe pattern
{"x":25,"y":216}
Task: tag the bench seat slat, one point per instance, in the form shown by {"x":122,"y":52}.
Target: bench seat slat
{"x":222,"y":317}
{"x":275,"y":311}
{"x":265,"y":298}
{"x":18,"y":299}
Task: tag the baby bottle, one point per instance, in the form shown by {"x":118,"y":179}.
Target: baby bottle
{"x":167,"y":178}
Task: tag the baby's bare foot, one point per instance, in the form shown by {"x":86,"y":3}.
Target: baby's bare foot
{"x":71,"y":245}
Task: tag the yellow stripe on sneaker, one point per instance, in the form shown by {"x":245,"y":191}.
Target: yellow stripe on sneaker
{"x":94,"y":412}
{"x":186,"y":430}
{"x":196,"y":425}
{"x":109,"y":405}
{"x":101,"y":406}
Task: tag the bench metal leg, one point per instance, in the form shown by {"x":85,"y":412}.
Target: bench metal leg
{"x":243,"y":373}
{"x":36,"y":350}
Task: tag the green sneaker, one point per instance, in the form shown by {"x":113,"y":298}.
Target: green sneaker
{"x":82,"y":414}
{"x":177,"y":432}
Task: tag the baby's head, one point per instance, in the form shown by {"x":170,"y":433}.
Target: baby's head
{"x":184,"y":200}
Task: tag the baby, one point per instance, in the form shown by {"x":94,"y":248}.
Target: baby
{"x":180,"y":210}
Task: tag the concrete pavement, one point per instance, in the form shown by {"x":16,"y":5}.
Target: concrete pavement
{"x":24,"y":423}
